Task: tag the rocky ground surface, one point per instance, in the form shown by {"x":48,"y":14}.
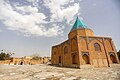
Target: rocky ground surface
{"x":47,"y":72}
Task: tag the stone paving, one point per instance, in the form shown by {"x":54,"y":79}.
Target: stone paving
{"x":47,"y":72}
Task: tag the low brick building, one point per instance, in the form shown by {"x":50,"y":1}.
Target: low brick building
{"x":25,"y":61}
{"x":83,"y":49}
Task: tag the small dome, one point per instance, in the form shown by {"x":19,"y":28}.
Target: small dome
{"x":78,"y":24}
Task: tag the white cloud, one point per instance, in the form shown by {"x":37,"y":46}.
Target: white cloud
{"x":33,"y":1}
{"x":29,"y":19}
{"x":28,"y":24}
{"x":27,"y":9}
{"x":67,"y":13}
{"x":20,"y":22}
{"x":59,"y":12}
{"x":56,"y":3}
{"x":54,"y":31}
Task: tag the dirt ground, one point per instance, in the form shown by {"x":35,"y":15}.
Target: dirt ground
{"x":47,"y":72}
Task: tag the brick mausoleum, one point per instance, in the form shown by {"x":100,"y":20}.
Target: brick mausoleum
{"x":83,"y":49}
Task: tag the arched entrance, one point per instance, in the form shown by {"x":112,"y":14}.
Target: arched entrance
{"x":113,"y":58}
{"x":74,"y":59}
{"x":59,"y":59}
{"x":86,"y":59}
{"x":21,"y":62}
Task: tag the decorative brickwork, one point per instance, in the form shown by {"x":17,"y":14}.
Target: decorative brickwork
{"x":84,"y":49}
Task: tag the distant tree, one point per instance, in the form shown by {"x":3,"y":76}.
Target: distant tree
{"x":2,"y":56}
{"x":36,"y":57}
{"x":5,"y":56}
{"x":118,"y":54}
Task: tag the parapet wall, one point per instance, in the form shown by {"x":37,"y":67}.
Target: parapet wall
{"x":5,"y":62}
{"x":25,"y":61}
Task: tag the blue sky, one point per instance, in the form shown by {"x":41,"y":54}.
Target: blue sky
{"x":33,"y":26}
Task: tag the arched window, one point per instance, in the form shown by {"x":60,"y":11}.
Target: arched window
{"x":97,"y":47}
{"x":65,"y":50}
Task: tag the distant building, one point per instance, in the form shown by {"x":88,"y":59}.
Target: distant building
{"x":25,"y":61}
{"x":83,"y":49}
{"x":28,"y":57}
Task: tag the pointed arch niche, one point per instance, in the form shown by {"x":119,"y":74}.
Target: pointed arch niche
{"x":74,"y":45}
{"x":113,"y":57}
{"x":74,"y":58}
{"x":65,"y":50}
{"x":83,"y":44}
{"x":97,"y":47}
{"x":108,"y":45}
{"x":85,"y":57}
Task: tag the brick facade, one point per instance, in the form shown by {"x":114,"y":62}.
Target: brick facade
{"x":83,"y":49}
